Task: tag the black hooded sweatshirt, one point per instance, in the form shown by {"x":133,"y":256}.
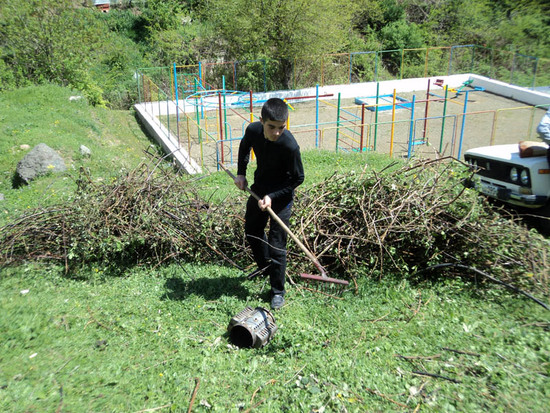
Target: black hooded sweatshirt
{"x":279,"y":164}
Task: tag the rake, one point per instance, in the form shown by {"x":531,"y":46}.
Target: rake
{"x":319,"y":280}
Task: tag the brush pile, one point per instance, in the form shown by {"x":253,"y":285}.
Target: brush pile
{"x":401,"y":220}
{"x":148,"y":216}
{"x":407,"y":219}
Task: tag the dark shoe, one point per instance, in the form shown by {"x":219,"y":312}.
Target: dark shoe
{"x":277,"y":301}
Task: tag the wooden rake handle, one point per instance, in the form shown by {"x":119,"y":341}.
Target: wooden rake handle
{"x":309,"y":254}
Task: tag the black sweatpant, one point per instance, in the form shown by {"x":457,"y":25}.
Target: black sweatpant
{"x":273,"y":247}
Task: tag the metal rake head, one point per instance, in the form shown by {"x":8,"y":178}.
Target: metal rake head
{"x":332,"y":287}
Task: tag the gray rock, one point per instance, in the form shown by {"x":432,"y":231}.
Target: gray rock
{"x":85,"y":151}
{"x":41,"y":160}
{"x":2,"y":197}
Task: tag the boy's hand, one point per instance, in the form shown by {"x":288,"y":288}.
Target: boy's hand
{"x":240,"y":182}
{"x":264,"y":203}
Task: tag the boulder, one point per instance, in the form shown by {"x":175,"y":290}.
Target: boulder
{"x":41,"y":160}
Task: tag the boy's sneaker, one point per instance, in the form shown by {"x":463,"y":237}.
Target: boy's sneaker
{"x":277,"y":301}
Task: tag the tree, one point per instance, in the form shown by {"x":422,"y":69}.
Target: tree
{"x":44,"y":41}
{"x":282,"y":30}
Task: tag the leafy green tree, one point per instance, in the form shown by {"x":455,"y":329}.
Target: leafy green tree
{"x":44,"y":41}
{"x":397,"y":36}
{"x":169,"y":46}
{"x":524,"y":27}
{"x":282,"y":30}
{"x":160,"y":15}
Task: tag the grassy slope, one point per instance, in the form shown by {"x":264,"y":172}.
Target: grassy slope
{"x":45,"y":115}
{"x":141,"y":341}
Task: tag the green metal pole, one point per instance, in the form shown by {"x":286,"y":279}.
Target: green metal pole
{"x":443,"y":120}
{"x":224,"y":109}
{"x":376,"y":116}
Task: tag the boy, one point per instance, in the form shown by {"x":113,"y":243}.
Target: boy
{"x":279,"y":171}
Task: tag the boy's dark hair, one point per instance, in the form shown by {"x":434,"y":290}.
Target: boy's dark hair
{"x":275,"y":109}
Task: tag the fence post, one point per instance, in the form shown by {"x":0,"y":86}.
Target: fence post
{"x":221,"y":123}
{"x":463,"y":124}
{"x":362,"y":126}
{"x":411,"y":128}
{"x":392,"y":122}
{"x":443,"y":119}
{"x":376,"y":115}
{"x":338,"y":122}
{"x":317,"y":116}
{"x":177,"y":103}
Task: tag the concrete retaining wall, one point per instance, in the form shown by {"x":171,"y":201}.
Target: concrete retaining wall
{"x":168,"y":141}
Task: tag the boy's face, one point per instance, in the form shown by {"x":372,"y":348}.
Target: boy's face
{"x":273,"y":129}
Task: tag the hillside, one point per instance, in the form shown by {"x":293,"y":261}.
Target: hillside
{"x":46,"y":114}
{"x":72,"y":43}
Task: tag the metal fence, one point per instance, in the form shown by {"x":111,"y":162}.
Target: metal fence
{"x":190,"y":101}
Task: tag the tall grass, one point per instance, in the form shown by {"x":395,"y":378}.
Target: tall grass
{"x":150,"y":338}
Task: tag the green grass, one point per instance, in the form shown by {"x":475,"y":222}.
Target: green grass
{"x":143,"y":339}
{"x":45,"y":114}
{"x":138,"y":342}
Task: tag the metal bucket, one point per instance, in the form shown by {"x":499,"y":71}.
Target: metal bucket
{"x":252,"y":328}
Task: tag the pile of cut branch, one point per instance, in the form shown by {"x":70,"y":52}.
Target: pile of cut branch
{"x":405,"y":220}
{"x":149,"y":216}
{"x":401,"y":220}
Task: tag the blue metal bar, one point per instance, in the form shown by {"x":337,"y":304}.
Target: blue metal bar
{"x":463,"y":124}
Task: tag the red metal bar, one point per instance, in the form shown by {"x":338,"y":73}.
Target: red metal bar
{"x":426,"y":112}
{"x":308,"y":97}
